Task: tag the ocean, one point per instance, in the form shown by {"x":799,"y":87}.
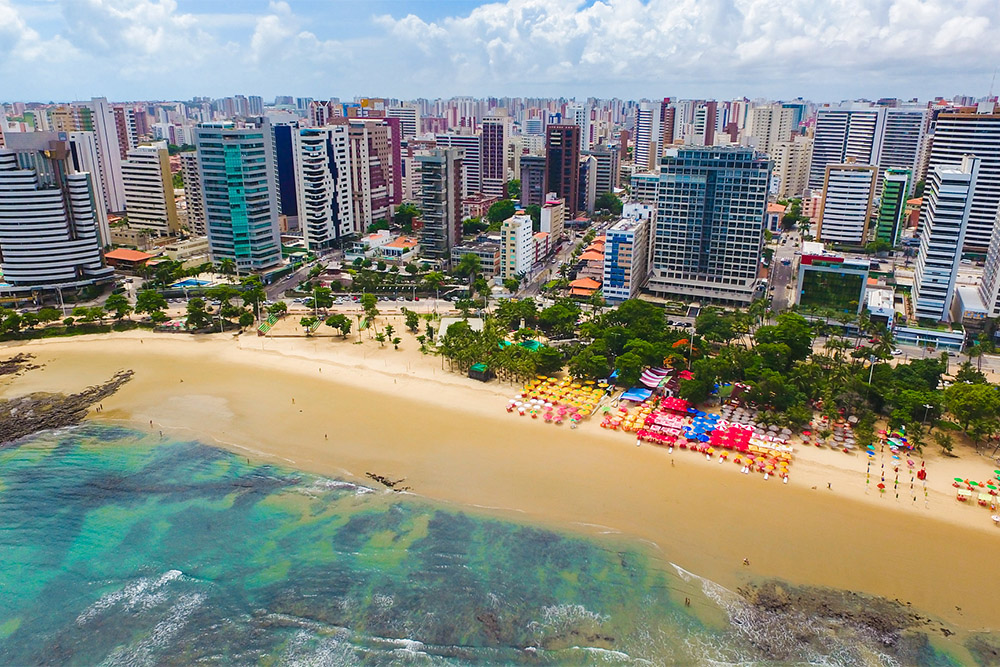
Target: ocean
{"x":119,"y":547}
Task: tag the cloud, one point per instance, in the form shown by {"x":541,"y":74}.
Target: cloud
{"x":827,"y":49}
{"x":803,"y":42}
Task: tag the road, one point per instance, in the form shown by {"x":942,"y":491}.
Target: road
{"x":783,"y":278}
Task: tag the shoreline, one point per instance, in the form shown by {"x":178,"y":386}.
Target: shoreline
{"x":452,"y":441}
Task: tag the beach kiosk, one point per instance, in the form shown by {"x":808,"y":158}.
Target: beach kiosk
{"x":481,"y":372}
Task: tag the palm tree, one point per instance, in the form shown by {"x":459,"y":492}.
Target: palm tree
{"x":227,"y":267}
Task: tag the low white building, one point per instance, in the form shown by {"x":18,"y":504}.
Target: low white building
{"x":517,"y":249}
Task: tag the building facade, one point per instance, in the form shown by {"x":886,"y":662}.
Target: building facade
{"x":709,"y":228}
{"x":892,"y":206}
{"x":440,"y":202}
{"x":517,"y":247}
{"x":848,"y":193}
{"x":562,"y":164}
{"x":626,"y":249}
{"x":791,"y":166}
{"x":495,"y":132}
{"x":192,"y":193}
{"x":149,"y":190}
{"x":323,"y":174}
{"x":944,"y":220}
{"x":48,"y":222}
{"x":646,"y":151}
{"x":532,"y":180}
{"x":237,"y":174}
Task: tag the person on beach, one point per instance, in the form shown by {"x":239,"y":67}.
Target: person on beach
{"x":746,"y":561}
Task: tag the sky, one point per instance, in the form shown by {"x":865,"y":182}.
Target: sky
{"x":824,"y":50}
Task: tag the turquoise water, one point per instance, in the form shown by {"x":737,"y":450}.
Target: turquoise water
{"x":119,"y":548}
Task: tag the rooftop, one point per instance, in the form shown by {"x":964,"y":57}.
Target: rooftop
{"x":403,"y":242}
{"x":127,"y":255}
{"x":775,"y":208}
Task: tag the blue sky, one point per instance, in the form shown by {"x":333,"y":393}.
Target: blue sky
{"x":826,"y":50}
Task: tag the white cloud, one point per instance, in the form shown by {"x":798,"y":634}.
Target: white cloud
{"x":826,"y":49}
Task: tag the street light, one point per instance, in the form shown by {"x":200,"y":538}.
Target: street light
{"x":927,"y":406}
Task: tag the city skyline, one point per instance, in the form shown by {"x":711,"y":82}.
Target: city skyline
{"x":171,"y":49}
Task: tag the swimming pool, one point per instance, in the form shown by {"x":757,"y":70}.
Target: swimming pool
{"x":191,"y":282}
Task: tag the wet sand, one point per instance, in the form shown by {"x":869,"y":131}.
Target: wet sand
{"x":330,"y":406}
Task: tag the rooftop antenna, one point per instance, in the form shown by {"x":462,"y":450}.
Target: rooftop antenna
{"x":992,"y":81}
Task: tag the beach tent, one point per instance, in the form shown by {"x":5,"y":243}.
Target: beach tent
{"x":652,"y":377}
{"x":480,"y":372}
{"x":637,"y":394}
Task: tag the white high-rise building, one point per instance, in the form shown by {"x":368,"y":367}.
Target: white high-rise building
{"x":580,"y":116}
{"x":849,"y":131}
{"x":846,"y":209}
{"x":646,"y":152}
{"x":192,"y":193}
{"x":409,"y":119}
{"x":973,"y":132}
{"x":517,"y":251}
{"x":48,"y":221}
{"x":149,"y":190}
{"x":109,"y":152}
{"x":943,"y":222}
{"x":323,"y":180}
{"x":791,"y":166}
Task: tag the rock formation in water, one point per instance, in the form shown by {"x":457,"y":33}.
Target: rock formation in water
{"x":29,"y":414}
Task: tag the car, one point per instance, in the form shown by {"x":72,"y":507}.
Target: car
{"x":416,"y":298}
{"x":297,"y":300}
{"x":897,"y":352}
{"x":400,"y":298}
{"x":786,"y":262}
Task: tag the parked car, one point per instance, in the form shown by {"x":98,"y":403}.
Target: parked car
{"x":897,"y":352}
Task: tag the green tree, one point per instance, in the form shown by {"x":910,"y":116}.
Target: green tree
{"x":587,"y":365}
{"x":412,"y":321}
{"x":307,"y":323}
{"x":150,"y":301}
{"x":197,"y":316}
{"x":246,"y":319}
{"x":278,"y":308}
{"x":405,"y":213}
{"x":534,"y":211}
{"x":227,"y":267}
{"x":467,"y":266}
{"x":433,"y":280}
{"x":500,"y":211}
{"x":253,"y":293}
{"x":511,"y":284}
{"x":548,"y":360}
{"x":609,"y":201}
{"x":971,"y":403}
{"x":53,"y":314}
{"x":340,"y":322}
{"x":629,"y":367}
{"x":117,"y":304}
{"x":514,"y":188}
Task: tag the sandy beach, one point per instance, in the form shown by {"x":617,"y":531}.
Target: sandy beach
{"x":332,"y":406}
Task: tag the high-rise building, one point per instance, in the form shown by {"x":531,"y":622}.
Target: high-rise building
{"x":974,"y":131}
{"x":770,"y":125}
{"x":440,"y":202}
{"x":323,"y":177}
{"x":532,"y":180}
{"x":892,"y":206}
{"x":125,"y":127}
{"x":626,"y":247}
{"x":943,"y":222}
{"x":709,"y":224}
{"x":703,"y":128}
{"x":587,"y":186}
{"x":109,"y":151}
{"x":552,"y":219}
{"x":580,"y":116}
{"x":791,"y":166}
{"x":562,"y":164}
{"x":376,"y":179}
{"x":517,"y":252}
{"x":237,"y":174}
{"x":285,"y":134}
{"x":409,"y":119}
{"x":903,"y":141}
{"x":48,"y":221}
{"x":255,"y":105}
{"x":494,"y":140}
{"x":666,"y":123}
{"x":149,"y":190}
{"x":472,"y":160}
{"x":644,"y":186}
{"x":849,"y":131}
{"x":192,"y":193}
{"x":848,"y":193}
{"x":608,"y":168}
{"x":645,"y":154}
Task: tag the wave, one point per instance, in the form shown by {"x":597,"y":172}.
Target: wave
{"x":143,"y":593}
